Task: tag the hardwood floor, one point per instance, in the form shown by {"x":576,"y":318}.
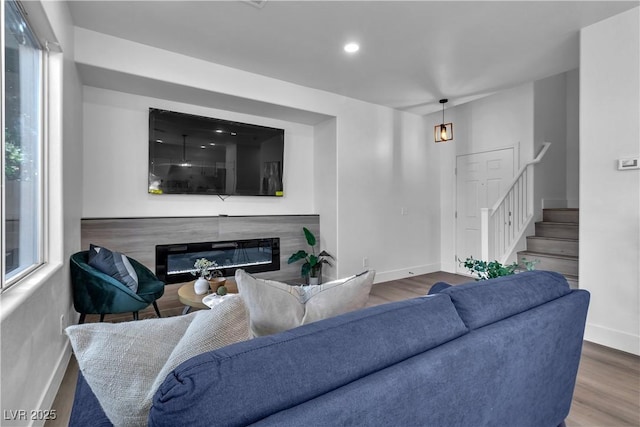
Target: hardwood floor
{"x":607,"y":392}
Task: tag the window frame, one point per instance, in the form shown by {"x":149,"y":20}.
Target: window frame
{"x":43,"y":163}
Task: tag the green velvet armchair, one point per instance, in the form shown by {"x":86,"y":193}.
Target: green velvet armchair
{"x":97,"y":293}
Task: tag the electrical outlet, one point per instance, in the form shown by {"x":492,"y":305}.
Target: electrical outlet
{"x":365,"y":262}
{"x":63,"y":324}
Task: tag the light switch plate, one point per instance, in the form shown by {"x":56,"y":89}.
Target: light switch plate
{"x":628,"y":163}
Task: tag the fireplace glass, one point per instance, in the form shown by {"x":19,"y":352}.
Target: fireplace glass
{"x":175,"y":263}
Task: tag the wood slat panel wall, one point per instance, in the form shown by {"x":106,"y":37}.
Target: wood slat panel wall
{"x":138,"y":237}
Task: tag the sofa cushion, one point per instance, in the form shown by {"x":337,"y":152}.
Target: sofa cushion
{"x":483,"y":302}
{"x":275,"y":306}
{"x":114,"y":264}
{"x":282,"y":370}
{"x":86,"y":409}
{"x":125,"y":363}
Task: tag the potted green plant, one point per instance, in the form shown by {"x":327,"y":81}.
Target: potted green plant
{"x":312,"y":266}
{"x":490,"y":270}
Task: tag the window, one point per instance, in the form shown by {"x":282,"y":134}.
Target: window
{"x":22,"y":146}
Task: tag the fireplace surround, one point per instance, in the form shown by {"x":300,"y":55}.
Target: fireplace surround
{"x":138,"y":237}
{"x":175,"y":262}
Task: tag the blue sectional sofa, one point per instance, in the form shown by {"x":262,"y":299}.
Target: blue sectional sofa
{"x":494,"y":353}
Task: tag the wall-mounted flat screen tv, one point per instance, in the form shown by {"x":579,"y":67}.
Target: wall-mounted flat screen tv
{"x":191,"y":154}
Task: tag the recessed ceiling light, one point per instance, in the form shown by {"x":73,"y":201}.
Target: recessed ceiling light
{"x":212,"y":143}
{"x":159,"y":141}
{"x":351,"y":47}
{"x":218,"y":130}
{"x":203,"y":147}
{"x":233,"y":134}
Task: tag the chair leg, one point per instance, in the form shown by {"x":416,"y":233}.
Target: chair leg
{"x":155,"y":306}
{"x":135,"y":315}
{"x":101,"y":317}
{"x":82,"y":317}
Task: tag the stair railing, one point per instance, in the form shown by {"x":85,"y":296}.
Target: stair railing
{"x":502,"y":225}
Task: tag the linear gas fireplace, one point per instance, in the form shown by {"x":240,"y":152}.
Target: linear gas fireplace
{"x":174,"y":263}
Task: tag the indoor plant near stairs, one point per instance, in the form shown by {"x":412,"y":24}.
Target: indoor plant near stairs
{"x":490,"y":270}
{"x":312,"y":267}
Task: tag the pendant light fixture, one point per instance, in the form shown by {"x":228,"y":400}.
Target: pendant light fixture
{"x":444,"y":131}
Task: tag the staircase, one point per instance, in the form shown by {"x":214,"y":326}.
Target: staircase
{"x":555,"y":244}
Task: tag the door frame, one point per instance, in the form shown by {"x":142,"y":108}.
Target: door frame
{"x":516,"y":166}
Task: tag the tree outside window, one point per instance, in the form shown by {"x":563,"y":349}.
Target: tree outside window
{"x":23,"y":146}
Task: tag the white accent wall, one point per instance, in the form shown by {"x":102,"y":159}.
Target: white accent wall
{"x":325,"y":189}
{"x":573,"y":138}
{"x":116,"y":158}
{"x":609,"y":198}
{"x":550,"y":125}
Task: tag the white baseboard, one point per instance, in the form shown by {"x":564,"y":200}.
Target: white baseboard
{"x":50,"y":392}
{"x":612,"y":338}
{"x":402,"y":273}
{"x":449,"y":267}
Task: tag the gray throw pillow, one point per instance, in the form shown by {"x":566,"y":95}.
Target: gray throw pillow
{"x":125,"y":363}
{"x":114,"y":264}
{"x":275,"y":306}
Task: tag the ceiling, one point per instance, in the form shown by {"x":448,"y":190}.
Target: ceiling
{"x":412,"y":53}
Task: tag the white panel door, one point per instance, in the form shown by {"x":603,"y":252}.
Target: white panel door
{"x":481,"y":179}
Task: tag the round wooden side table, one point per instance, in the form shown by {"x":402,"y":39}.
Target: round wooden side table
{"x":190,"y":299}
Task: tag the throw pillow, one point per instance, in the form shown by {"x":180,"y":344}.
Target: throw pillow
{"x":275,"y":307}
{"x":114,"y":264}
{"x":437,"y":287}
{"x":125,"y":363}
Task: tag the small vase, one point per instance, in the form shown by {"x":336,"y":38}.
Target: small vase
{"x":201,"y":286}
{"x":314,"y":280}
